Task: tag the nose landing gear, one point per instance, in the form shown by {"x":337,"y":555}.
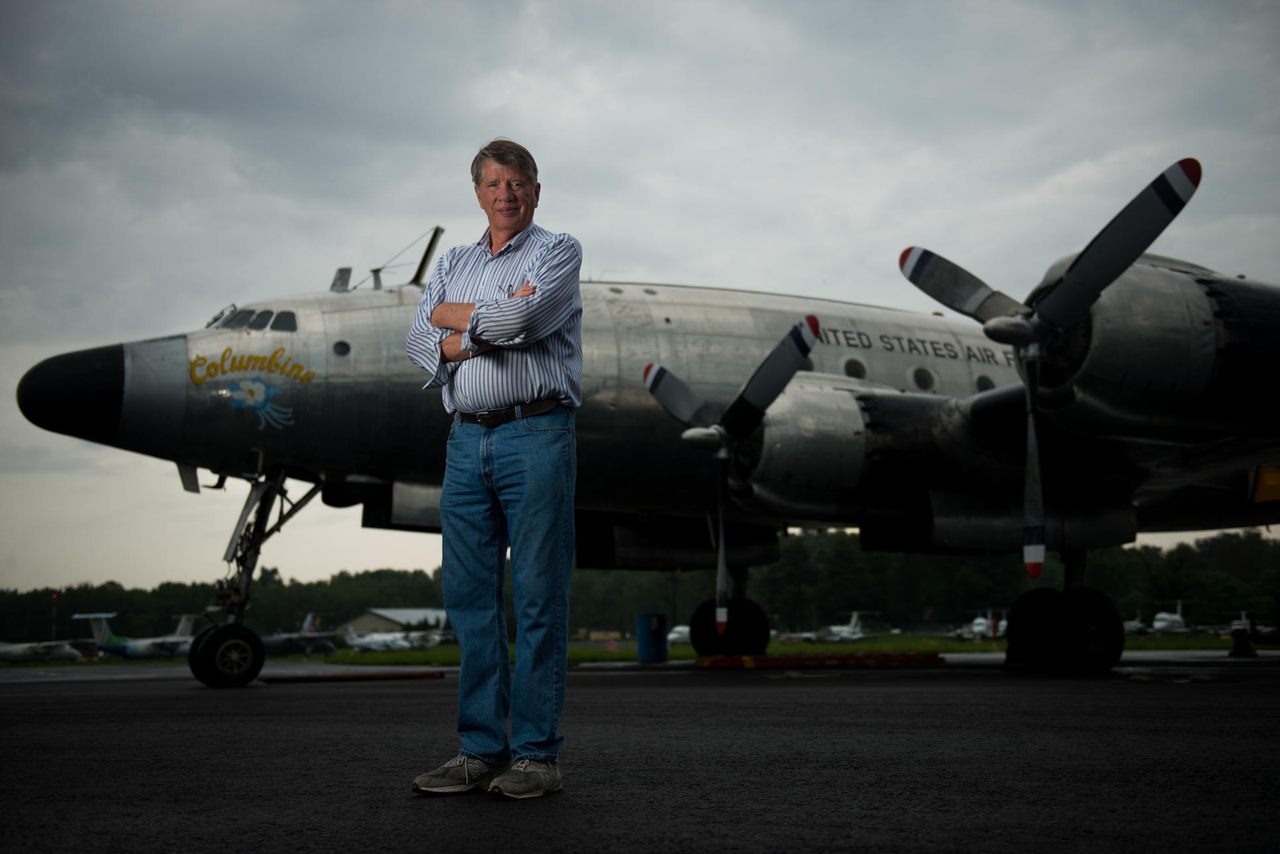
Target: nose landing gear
{"x":228,"y":654}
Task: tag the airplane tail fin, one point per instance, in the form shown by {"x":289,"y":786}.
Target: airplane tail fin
{"x":186,"y":625}
{"x":98,"y":623}
{"x":310,"y":623}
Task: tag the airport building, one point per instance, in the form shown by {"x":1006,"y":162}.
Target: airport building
{"x":395,"y":620}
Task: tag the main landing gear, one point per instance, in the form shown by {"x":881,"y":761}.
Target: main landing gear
{"x":746,"y":631}
{"x":1074,"y":630}
{"x":227,"y":654}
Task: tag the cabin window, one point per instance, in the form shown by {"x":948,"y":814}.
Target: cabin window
{"x":924,"y":379}
{"x":985,"y":383}
{"x":286,"y":321}
{"x":854,"y":368}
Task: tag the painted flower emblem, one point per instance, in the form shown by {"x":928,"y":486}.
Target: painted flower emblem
{"x":254,"y":394}
{"x":251,"y":393}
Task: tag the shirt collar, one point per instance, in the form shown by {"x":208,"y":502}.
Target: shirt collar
{"x":512,"y":244}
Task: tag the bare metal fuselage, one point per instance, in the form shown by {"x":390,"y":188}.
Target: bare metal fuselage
{"x":339,"y":401}
{"x":909,"y":426}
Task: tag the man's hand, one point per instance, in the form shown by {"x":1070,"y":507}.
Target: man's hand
{"x":457,"y":316}
{"x":451,"y":349}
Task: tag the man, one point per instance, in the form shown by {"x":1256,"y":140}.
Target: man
{"x":499,"y":329}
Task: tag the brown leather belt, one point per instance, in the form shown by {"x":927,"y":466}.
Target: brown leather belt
{"x":496,"y":417}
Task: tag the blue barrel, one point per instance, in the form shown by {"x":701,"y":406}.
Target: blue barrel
{"x":651,"y":638}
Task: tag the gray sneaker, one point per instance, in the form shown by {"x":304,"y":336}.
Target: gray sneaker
{"x":459,"y":774}
{"x":527,"y":778}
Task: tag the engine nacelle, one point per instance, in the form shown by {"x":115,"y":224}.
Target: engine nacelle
{"x":812,"y":449}
{"x":968,"y":522}
{"x":1167,"y":346}
{"x":909,"y":470}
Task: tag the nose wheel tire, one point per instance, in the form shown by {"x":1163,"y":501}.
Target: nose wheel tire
{"x":226,"y":656}
{"x":195,"y":660}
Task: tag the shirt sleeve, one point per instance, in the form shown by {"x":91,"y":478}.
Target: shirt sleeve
{"x":423,"y":342}
{"x":518,"y":322}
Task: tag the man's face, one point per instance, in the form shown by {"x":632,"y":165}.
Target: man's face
{"x":508,"y":198}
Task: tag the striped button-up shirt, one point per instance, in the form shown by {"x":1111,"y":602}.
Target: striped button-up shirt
{"x":537,"y":339}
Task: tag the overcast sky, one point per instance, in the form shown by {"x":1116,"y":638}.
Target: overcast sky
{"x":160,"y":160}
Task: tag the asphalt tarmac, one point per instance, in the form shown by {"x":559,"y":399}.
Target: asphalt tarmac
{"x":1162,"y":755}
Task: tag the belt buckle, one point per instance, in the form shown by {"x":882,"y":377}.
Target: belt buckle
{"x":490,"y":418}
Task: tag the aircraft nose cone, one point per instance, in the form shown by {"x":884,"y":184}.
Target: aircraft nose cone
{"x":78,"y":394}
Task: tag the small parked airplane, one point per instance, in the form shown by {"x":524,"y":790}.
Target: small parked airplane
{"x":164,"y":646}
{"x":383,"y":641}
{"x":39,"y":651}
{"x":988,"y":627}
{"x":850,"y":631}
{"x":306,"y":641}
{"x":1170,"y":622}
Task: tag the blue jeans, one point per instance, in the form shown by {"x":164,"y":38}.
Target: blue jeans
{"x":510,"y":485}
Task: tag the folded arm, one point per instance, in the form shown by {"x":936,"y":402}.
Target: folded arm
{"x":436,"y":348}
{"x":541,"y":306}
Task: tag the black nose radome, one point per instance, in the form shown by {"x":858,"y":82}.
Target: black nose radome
{"x":78,"y":394}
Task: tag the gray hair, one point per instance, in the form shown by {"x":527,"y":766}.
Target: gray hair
{"x":506,"y":153}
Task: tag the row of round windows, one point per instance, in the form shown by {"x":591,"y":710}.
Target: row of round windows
{"x":922,"y":378}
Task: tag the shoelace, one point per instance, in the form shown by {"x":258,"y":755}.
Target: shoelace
{"x":466,"y":766}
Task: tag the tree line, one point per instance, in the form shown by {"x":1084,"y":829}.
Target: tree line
{"x":819,"y":579}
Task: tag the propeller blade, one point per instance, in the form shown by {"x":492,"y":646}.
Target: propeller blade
{"x":1120,"y":243}
{"x":1033,"y":495}
{"x":672,"y":393}
{"x":722,"y":560}
{"x":1033,"y":508}
{"x":747,"y":410}
{"x":955,"y":287}
{"x":739,"y":420}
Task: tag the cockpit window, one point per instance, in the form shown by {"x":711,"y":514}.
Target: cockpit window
{"x":248,"y":318}
{"x":238,"y":320}
{"x":221,"y":316}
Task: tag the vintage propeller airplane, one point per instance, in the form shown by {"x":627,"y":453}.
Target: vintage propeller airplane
{"x":1129,"y":392}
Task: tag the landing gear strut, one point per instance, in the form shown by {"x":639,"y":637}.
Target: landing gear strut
{"x":228,"y":654}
